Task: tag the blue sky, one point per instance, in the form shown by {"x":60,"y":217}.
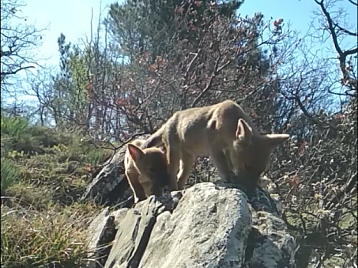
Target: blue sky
{"x":73,"y":18}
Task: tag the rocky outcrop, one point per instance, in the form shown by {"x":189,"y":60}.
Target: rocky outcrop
{"x":204,"y":226}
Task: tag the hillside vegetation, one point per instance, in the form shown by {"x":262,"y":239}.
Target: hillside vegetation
{"x":43,"y":174}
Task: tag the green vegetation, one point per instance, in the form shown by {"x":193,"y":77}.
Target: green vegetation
{"x":43,"y":173}
{"x":10,"y":173}
{"x":32,"y":238}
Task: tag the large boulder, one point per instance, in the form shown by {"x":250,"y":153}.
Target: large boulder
{"x":204,"y":226}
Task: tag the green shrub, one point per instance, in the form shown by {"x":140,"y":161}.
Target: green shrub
{"x":48,"y":137}
{"x":16,"y":135}
{"x":13,"y":126}
{"x":10,"y":173}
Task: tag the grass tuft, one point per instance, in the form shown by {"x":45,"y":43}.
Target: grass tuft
{"x":51,"y":238}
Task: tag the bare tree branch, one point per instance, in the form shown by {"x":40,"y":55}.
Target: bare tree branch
{"x":342,"y":55}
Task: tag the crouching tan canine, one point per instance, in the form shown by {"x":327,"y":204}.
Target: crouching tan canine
{"x":146,"y":170}
{"x":224,"y":132}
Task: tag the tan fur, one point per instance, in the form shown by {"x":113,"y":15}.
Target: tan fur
{"x":146,"y":170}
{"x":224,"y":132}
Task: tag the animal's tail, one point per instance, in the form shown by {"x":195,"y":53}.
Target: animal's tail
{"x":155,"y":139}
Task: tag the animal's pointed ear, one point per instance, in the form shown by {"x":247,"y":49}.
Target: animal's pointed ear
{"x":276,"y":139}
{"x":135,"y":152}
{"x":243,"y":131}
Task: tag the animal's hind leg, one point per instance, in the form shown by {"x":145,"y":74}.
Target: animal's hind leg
{"x":186,"y":165}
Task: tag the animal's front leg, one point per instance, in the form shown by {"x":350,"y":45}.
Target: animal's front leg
{"x":186,"y":165}
{"x":221,"y":163}
{"x":173,"y":156}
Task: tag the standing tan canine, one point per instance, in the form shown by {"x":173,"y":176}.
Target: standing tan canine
{"x":224,"y":132}
{"x":146,"y":170}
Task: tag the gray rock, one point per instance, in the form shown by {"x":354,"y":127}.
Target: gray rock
{"x":204,"y":226}
{"x":273,"y":246}
{"x":102,"y":231}
{"x":209,"y":228}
